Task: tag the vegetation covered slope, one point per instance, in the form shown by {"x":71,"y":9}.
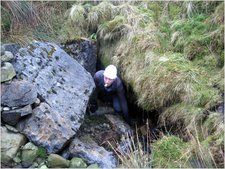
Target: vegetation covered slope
{"x":171,"y":58}
{"x":174,"y":64}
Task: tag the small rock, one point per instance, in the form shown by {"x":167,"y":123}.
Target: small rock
{"x":56,"y":161}
{"x":7,"y":56}
{"x":2,"y":50}
{"x":43,"y":167}
{"x":29,"y":154}
{"x":93,"y":166}
{"x":77,"y":163}
{"x":11,"y":128}
{"x":7,"y":72}
{"x":37,"y":102}
{"x":6,"y":108}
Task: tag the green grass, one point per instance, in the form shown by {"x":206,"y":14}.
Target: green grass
{"x":168,"y":152}
{"x":42,"y":152}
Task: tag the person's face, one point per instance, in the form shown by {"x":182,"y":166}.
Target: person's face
{"x":108,"y":81}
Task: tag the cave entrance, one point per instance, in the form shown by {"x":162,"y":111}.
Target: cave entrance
{"x":141,"y":117}
{"x":137,"y":114}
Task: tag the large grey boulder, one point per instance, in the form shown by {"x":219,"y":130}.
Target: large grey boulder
{"x":47,"y":128}
{"x":63,"y":87}
{"x":83,"y":51}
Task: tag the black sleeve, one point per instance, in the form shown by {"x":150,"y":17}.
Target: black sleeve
{"x":122,"y":98}
{"x":97,"y":80}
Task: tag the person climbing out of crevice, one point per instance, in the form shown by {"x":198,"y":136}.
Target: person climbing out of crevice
{"x":110,"y":89}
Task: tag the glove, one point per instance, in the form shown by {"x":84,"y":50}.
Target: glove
{"x":93,"y":106}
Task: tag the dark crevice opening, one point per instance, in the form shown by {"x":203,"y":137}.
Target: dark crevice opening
{"x":141,"y":116}
{"x":137,"y":114}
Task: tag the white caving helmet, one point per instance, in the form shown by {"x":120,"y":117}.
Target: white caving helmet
{"x":110,"y":72}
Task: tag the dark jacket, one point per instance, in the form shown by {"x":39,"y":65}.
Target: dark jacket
{"x":116,"y":89}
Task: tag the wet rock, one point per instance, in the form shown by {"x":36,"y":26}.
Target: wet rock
{"x":91,"y":152}
{"x":5,"y":108}
{"x":118,"y":124}
{"x":220,"y":108}
{"x":107,"y":136}
{"x":103,"y":110}
{"x":124,"y":146}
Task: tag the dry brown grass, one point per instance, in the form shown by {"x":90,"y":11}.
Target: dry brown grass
{"x":23,"y":14}
{"x":134,"y":150}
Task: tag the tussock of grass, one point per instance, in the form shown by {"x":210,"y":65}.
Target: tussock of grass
{"x":187,"y":114}
{"x":130,"y":13}
{"x":213,"y":125}
{"x":76,"y":14}
{"x":218,"y":16}
{"x":206,"y":145}
{"x":113,"y":29}
{"x":165,"y":80}
{"x":173,"y":80}
{"x":160,"y":83}
{"x":99,"y":14}
{"x":200,"y":152}
{"x":169,"y":152}
{"x":218,"y":80}
{"x":205,"y":132}
{"x":69,"y":33}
